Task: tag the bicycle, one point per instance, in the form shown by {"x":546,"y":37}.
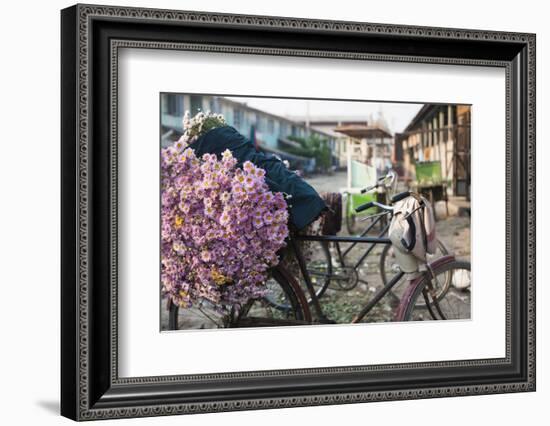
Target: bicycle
{"x":286,"y":304}
{"x":320,"y":264}
{"x":321,"y":267}
{"x":324,"y":271}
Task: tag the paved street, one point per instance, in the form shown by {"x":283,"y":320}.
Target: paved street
{"x":328,"y":183}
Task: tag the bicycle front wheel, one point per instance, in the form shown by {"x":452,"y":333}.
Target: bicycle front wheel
{"x":425,"y":305}
{"x":319,"y":268}
{"x":389,"y":267}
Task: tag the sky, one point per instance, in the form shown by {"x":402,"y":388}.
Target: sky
{"x":397,"y":115}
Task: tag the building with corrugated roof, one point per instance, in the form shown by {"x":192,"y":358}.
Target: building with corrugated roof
{"x":440,"y":134}
{"x":368,"y":141}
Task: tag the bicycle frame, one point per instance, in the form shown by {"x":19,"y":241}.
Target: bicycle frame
{"x":341,"y":256}
{"x":337,"y":239}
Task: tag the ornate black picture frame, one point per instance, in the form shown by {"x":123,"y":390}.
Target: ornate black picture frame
{"x":91,"y":36}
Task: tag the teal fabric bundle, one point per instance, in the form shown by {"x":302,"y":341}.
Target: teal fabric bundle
{"x":305,"y":205}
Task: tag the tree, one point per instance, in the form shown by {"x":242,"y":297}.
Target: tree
{"x":313,"y":147}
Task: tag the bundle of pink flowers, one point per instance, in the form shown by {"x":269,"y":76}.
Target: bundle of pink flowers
{"x":221,"y":228}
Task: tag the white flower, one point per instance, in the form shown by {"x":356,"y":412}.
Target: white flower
{"x":186,"y":120}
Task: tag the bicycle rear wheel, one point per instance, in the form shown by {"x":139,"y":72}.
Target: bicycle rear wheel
{"x":456,"y":303}
{"x":255,"y":313}
{"x":319,"y":267}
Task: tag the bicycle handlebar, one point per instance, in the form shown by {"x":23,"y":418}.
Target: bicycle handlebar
{"x":400,"y":196}
{"x":365,"y":206}
{"x":394,"y":199}
{"x":371,"y":204}
{"x":369,"y":188}
{"x":391,"y":175}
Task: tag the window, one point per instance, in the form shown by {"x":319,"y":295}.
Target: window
{"x":237,"y":118}
{"x":260,"y":122}
{"x":164,"y":104}
{"x":180,"y":104}
{"x":173,"y":104}
{"x":196,"y":104}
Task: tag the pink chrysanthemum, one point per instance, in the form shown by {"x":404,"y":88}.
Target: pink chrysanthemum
{"x":221,"y":228}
